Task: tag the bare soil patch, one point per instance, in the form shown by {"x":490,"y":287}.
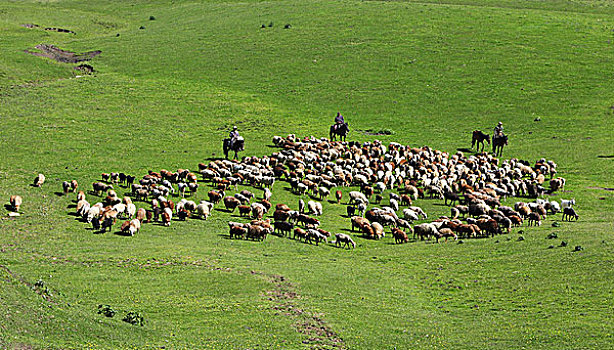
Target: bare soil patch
{"x":600,"y":188}
{"x":319,"y":334}
{"x":55,"y":53}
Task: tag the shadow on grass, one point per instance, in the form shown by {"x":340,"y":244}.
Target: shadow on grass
{"x":8,"y":207}
{"x":464,"y":149}
{"x":59,"y":194}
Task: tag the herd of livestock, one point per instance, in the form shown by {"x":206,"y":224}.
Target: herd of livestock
{"x":316,"y":169}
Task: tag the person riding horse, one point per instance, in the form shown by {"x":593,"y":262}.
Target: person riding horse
{"x":498,"y":132}
{"x":339,"y":121}
{"x":234,"y":135}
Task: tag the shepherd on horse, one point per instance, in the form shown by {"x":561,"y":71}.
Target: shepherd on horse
{"x":499,"y":139}
{"x":340,"y":128}
{"x":234,"y":142}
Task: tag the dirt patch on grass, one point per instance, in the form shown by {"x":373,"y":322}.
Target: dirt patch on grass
{"x":49,"y":29}
{"x":284,"y":296}
{"x":600,"y":188}
{"x":55,"y":53}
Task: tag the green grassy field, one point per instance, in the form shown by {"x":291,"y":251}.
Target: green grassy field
{"x":164,"y":96}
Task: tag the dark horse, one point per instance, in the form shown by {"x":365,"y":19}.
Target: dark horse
{"x":342,"y":130}
{"x":237,"y":147}
{"x":479,"y":137}
{"x":497,"y":145}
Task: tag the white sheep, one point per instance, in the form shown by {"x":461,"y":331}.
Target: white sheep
{"x":410,"y":215}
{"x":419,"y":211}
{"x":135,"y":226}
{"x":394,"y":204}
{"x":357,"y":197}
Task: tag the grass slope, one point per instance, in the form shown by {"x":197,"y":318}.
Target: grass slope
{"x":164,"y":96}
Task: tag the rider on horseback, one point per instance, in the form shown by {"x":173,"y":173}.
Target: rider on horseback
{"x":498,"y":132}
{"x":339,"y":121}
{"x":234,"y":135}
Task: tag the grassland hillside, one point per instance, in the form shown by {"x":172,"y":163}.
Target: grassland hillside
{"x":171,"y":80}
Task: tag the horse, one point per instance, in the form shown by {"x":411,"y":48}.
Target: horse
{"x":341,"y":130}
{"x":236,"y":147}
{"x":497,"y":145}
{"x":479,"y":137}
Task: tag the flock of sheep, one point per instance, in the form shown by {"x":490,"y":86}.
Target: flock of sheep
{"x":472,"y":185}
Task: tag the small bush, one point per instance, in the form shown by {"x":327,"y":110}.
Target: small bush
{"x":106,"y":310}
{"x":152,"y":18}
{"x":134,"y":318}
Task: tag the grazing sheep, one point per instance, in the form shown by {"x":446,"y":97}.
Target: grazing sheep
{"x":350,"y":210}
{"x":345,"y":239}
{"x":323,"y":192}
{"x":419,"y":211}
{"x":399,"y":236}
{"x":315,"y":208}
{"x":244,"y":210}
{"x":281,"y":215}
{"x":454,"y":213}
{"x":238,"y":231}
{"x":92,"y":214}
{"x":535,"y":219}
{"x":141,"y":215}
{"x":257,"y":211}
{"x":569,"y":214}
{"x":82,"y":207}
{"x":567,"y":203}
{"x":183,"y":214}
{"x":314,"y":235}
{"x":406,"y":200}
{"x":425,"y":230}
{"x":39,"y":180}
{"x":80,"y":196}
{"x":338,"y":196}
{"x":135,"y":226}
{"x":203,"y":209}
{"x":378,"y":230}
{"x":555,"y":207}
{"x":412,"y":191}
{"x":357,"y":197}
{"x":301,"y":206}
{"x":15,"y":202}
{"x":166,"y":219}
{"x":267,"y":194}
{"x":231,"y":203}
{"x":66,"y":186}
{"x":445,"y":233}
{"x":410,"y":215}
{"x":300,"y":233}
{"x":394,"y":204}
{"x":283,"y":227}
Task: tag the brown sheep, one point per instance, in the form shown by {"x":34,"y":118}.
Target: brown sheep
{"x":39,"y":180}
{"x":244,"y":210}
{"x":300,"y":233}
{"x":399,"y":236}
{"x":359,"y":222}
{"x":516,"y":220}
{"x":535,"y":219}
{"x":338,"y":196}
{"x":282,"y":207}
{"x":445,"y":233}
{"x":405,"y":200}
{"x":141,"y":214}
{"x":231,"y":203}
{"x":215,"y":196}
